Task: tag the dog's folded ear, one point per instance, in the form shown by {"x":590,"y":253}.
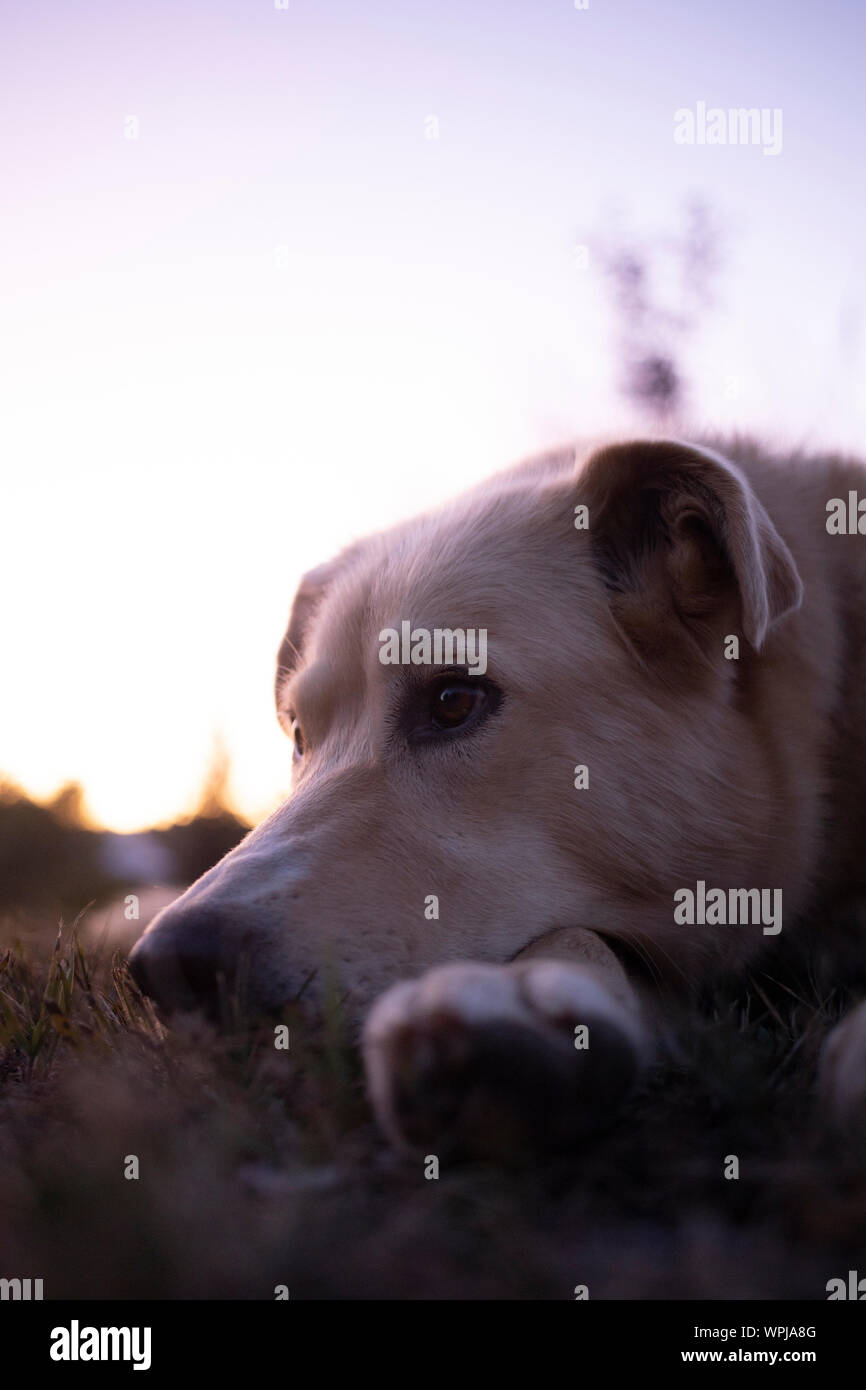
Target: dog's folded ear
{"x":310,"y":592}
{"x":678,"y":533}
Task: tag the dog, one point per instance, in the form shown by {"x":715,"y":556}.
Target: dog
{"x":509,"y":856}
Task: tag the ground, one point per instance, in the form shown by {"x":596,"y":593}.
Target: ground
{"x":260,"y":1167}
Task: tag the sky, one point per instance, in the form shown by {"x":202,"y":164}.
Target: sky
{"x":274,"y":277}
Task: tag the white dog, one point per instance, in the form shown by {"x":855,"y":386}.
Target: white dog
{"x":508,"y":864}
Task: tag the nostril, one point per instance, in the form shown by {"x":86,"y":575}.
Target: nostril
{"x":206,"y":980}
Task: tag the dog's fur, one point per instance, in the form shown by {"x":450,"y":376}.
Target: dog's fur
{"x":608,"y":648}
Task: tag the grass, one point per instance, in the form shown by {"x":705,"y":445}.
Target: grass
{"x":259,"y":1167}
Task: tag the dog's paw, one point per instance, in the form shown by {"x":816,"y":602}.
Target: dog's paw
{"x":496,"y":1060}
{"x":842,"y":1072}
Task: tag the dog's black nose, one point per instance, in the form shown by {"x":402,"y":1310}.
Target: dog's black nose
{"x":182,"y":962}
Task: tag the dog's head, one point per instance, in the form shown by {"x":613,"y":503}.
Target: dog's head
{"x":508,"y":717}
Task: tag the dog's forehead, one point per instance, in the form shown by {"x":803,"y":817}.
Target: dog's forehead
{"x":473,"y":556}
{"x":485,"y":563}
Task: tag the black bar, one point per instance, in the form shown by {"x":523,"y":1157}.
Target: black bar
{"x":254,"y":1340}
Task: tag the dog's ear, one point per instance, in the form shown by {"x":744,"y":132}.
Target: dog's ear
{"x":309,"y":595}
{"x":311,"y":590}
{"x":677,"y":532}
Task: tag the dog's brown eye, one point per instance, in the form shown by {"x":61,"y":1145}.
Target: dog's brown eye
{"x":448,"y":707}
{"x":455,"y":703}
{"x":297,"y":739}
